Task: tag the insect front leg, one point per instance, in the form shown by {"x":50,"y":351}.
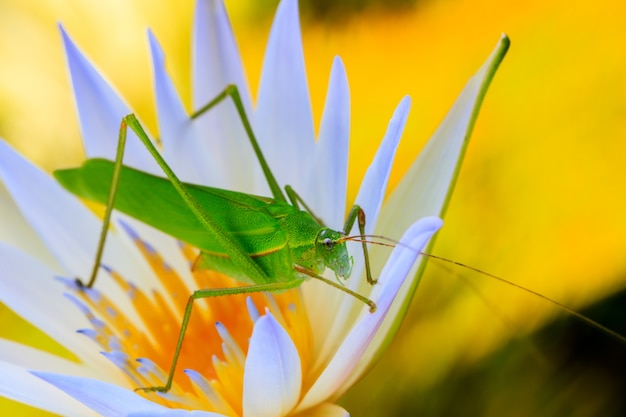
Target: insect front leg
{"x":356,"y":295}
{"x":115,"y":181}
{"x":207,"y":293}
{"x":357,"y":213}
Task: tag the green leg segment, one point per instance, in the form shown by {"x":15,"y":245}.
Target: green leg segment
{"x":356,"y":295}
{"x":214,"y":292}
{"x":115,"y":180}
{"x":357,"y":212}
{"x":233,"y":92}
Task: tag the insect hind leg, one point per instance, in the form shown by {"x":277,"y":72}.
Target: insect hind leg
{"x":208,"y":293}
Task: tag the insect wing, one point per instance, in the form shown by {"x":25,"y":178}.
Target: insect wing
{"x":154,"y":201}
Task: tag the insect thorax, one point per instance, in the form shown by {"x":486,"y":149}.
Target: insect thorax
{"x":316,"y":247}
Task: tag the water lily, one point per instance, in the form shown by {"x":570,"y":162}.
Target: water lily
{"x":264,"y":355}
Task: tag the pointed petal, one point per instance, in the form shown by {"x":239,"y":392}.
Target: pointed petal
{"x":283,"y":119}
{"x":107,"y":400}
{"x":370,"y":199}
{"x":374,"y":185}
{"x":174,"y":413}
{"x":16,"y":230}
{"x":180,"y":149}
{"x":30,"y":290}
{"x":18,"y":384}
{"x":100,"y":110}
{"x":332,"y":381}
{"x":66,"y":226}
{"x":328,"y":186}
{"x":31,"y":358}
{"x":427,"y":187}
{"x":272,"y":374}
{"x":331,"y":152}
{"x":325,"y":410}
{"x":216,"y":64}
{"x":216,"y":59}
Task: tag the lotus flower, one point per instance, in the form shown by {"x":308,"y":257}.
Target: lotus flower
{"x":292,"y":353}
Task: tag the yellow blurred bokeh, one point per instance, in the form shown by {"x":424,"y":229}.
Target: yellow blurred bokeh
{"x":541,"y":198}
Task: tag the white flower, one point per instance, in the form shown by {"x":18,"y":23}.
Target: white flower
{"x":267,"y":355}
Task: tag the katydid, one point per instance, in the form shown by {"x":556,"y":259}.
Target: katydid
{"x":268,"y":243}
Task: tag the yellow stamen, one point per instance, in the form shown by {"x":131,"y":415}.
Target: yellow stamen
{"x":216,"y":341}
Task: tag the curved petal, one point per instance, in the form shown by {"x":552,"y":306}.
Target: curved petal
{"x":332,"y":381}
{"x":283,"y":119}
{"x":15,"y":229}
{"x":30,"y":358}
{"x":20,"y":385}
{"x":180,"y":147}
{"x":374,"y":185}
{"x":342,"y":307}
{"x":100,"y":110}
{"x":29,"y":288}
{"x":272,"y":374}
{"x":174,"y":413}
{"x":324,"y":410}
{"x":427,"y":187}
{"x":66,"y":226}
{"x":216,"y":64}
{"x":107,"y":400}
{"x":327,"y":192}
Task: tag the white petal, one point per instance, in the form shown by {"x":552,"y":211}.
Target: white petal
{"x":107,"y":400}
{"x":427,"y":187}
{"x":332,"y":381}
{"x":272,"y":375}
{"x":29,"y":288}
{"x":328,"y":182}
{"x":283,"y":119}
{"x":342,"y":307}
{"x":329,"y":178}
{"x":174,"y":413}
{"x":180,"y":149}
{"x":18,"y":384}
{"x":100,"y":110}
{"x":374,"y":185}
{"x":324,"y":410}
{"x":30,"y":358}
{"x":15,"y":229}
{"x":216,"y":64}
{"x":66,"y":226}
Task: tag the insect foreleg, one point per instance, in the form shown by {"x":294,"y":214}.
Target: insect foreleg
{"x":370,"y":303}
{"x":214,"y":292}
{"x":357,"y":212}
{"x":295,"y":198}
{"x":115,"y":180}
{"x":233,"y":92}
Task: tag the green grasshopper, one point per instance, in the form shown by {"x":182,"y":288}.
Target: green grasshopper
{"x":284,"y":246}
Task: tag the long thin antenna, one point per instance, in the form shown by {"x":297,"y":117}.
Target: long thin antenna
{"x":574,"y":313}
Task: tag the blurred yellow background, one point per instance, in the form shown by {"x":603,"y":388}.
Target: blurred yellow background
{"x":541,"y":198}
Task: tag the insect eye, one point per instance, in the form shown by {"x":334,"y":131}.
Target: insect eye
{"x":328,"y":243}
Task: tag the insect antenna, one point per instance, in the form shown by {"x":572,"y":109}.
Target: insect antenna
{"x":393,"y":243}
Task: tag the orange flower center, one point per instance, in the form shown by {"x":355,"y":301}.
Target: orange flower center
{"x":210,"y":369}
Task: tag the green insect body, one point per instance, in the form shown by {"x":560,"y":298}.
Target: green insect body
{"x":275,"y":234}
{"x":268,"y":243}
